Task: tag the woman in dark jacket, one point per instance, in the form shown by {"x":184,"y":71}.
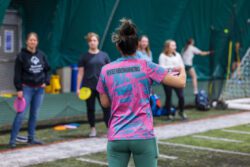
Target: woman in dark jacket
{"x":31,"y":77}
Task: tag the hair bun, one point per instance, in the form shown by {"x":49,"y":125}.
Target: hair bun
{"x":127,"y":27}
{"x":126,"y":30}
{"x":126,"y":37}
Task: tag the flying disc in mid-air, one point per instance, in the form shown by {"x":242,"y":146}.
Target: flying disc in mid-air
{"x":84,"y":93}
{"x":19,"y":104}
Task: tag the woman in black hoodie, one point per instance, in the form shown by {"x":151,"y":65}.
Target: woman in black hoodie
{"x":31,"y":77}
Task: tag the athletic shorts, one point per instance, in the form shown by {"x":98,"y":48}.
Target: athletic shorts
{"x":188,"y":67}
{"x":145,"y":152}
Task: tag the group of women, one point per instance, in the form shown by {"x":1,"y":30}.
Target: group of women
{"x":171,"y":59}
{"x":122,"y":87}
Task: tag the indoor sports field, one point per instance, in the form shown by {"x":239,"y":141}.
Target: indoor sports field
{"x":78,"y":75}
{"x":221,"y":147}
{"x":228,"y":147}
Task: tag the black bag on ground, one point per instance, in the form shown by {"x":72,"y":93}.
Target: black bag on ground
{"x":201,"y":101}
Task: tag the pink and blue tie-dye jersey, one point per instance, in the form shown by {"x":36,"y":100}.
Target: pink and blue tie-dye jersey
{"x":127,"y":82}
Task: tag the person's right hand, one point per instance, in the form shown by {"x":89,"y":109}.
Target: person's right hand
{"x":20,"y":94}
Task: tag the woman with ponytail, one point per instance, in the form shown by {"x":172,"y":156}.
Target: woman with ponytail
{"x":125,"y":86}
{"x":188,"y":55}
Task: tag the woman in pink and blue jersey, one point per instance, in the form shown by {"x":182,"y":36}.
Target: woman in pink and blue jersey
{"x":125,"y":86}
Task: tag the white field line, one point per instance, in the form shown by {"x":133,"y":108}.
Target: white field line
{"x":92,"y":161}
{"x":239,"y":106}
{"x":243,"y":100}
{"x":167,"y":157}
{"x":204,"y":148}
{"x":236,"y":131}
{"x":242,"y":104}
{"x":216,"y":139}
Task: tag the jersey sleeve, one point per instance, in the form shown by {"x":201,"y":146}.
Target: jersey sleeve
{"x":155,"y":72}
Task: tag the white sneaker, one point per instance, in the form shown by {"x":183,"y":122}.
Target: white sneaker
{"x":22,"y":139}
{"x":92,"y":132}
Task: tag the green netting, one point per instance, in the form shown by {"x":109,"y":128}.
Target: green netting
{"x":3,"y":6}
{"x":62,"y":24}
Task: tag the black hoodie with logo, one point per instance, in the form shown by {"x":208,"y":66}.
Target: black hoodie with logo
{"x":31,"y":69}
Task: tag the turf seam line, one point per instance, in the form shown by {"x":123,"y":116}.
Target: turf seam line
{"x":167,"y":157}
{"x":204,"y":148}
{"x":236,"y":131}
{"x":92,"y":161}
{"x":216,"y":139}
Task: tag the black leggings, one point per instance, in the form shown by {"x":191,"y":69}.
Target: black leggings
{"x":168,"y":93}
{"x":91,"y":109}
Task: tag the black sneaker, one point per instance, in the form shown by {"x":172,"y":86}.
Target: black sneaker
{"x":35,"y":142}
{"x":12,"y":145}
{"x":182,"y":115}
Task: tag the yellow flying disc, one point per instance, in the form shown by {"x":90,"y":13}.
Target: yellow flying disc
{"x":84,"y":93}
{"x":60,"y":128}
{"x":6,"y":95}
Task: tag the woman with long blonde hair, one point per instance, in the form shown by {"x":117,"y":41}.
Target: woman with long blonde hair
{"x":171,"y":59}
{"x":144,"y":51}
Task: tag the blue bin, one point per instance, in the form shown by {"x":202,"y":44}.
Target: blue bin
{"x":74,"y":73}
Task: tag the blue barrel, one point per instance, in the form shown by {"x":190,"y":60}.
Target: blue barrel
{"x":74,"y":73}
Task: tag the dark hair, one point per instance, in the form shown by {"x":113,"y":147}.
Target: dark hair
{"x":189,"y":42}
{"x":30,"y":34}
{"x":126,"y":37}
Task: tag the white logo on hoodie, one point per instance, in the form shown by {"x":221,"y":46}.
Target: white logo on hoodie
{"x":34,"y":60}
{"x":35,"y":67}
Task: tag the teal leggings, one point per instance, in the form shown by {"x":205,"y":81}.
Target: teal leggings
{"x":145,"y":152}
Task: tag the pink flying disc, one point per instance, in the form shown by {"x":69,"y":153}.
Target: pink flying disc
{"x":19,"y":104}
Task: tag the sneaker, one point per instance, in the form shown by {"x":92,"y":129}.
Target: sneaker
{"x":35,"y":142}
{"x":170,"y":117}
{"x":182,"y":115}
{"x":21,"y":139}
{"x":12,"y":145}
{"x":92,"y":132}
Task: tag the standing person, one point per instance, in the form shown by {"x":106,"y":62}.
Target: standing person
{"x":125,"y":86}
{"x":144,"y":51}
{"x":170,"y":59}
{"x":188,"y":54}
{"x":90,"y":66}
{"x":30,"y":79}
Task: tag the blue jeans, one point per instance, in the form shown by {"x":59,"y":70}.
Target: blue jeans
{"x":34,"y":98}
